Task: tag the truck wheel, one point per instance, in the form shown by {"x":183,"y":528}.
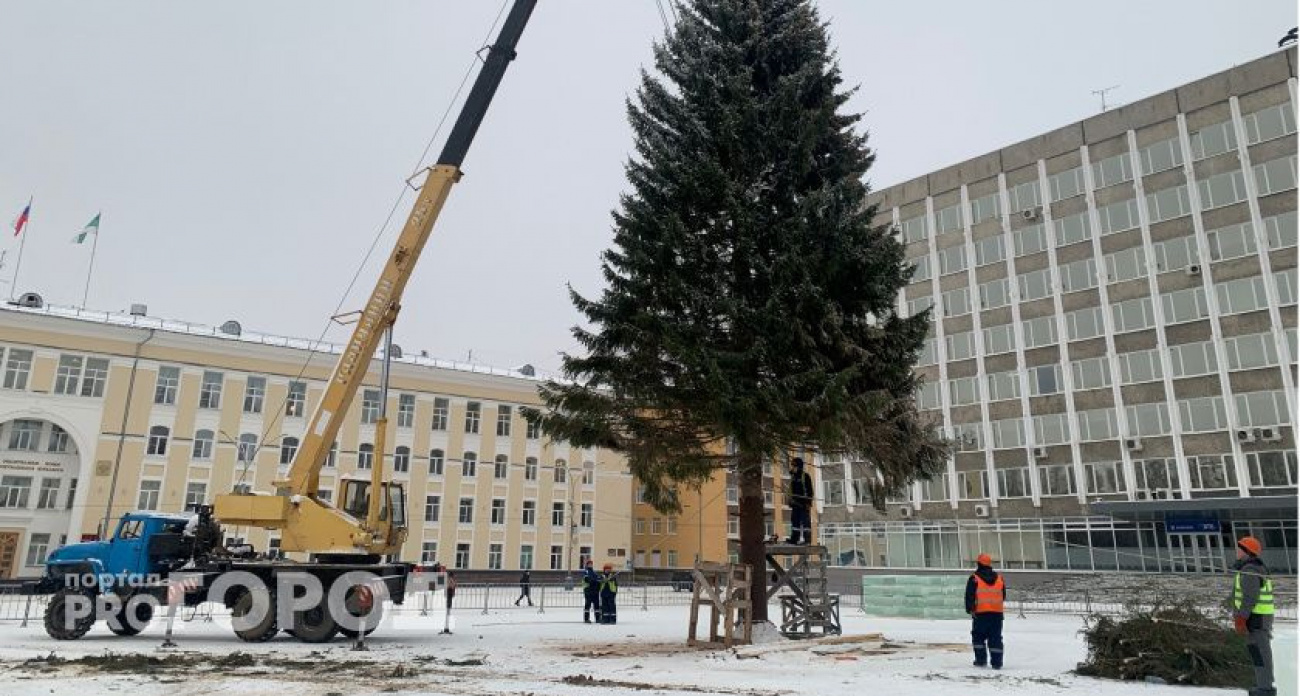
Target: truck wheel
{"x":261,"y":632}
{"x":353,"y":603}
{"x":58,"y":624}
{"x":314,"y":625}
{"x":131,"y":619}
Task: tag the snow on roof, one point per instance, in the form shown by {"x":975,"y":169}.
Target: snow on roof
{"x":246,"y":336}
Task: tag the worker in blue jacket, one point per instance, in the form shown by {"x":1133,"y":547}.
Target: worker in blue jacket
{"x":608,"y":595}
{"x":590,"y":592}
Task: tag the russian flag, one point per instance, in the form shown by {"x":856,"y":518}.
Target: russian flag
{"x":21,"y":222}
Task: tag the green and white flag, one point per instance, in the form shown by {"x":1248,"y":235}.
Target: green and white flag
{"x":91,"y":227}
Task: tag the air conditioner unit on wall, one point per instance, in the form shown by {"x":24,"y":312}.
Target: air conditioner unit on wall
{"x":1133,"y":444}
{"x":1040,"y":453}
{"x":1270,"y":434}
{"x":981,"y":511}
{"x":905,"y":511}
{"x":1194,"y":269}
{"x":1245,"y":435}
{"x":1032,"y":213}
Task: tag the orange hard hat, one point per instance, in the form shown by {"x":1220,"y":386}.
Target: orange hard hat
{"x":1250,"y":545}
{"x":984,"y":559}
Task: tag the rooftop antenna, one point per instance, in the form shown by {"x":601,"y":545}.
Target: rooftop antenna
{"x":1102,"y":93}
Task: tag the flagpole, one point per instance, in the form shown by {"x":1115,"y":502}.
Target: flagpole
{"x":93,"y":246}
{"x":24,"y":232}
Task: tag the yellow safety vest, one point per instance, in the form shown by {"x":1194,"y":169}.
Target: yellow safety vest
{"x":1263,"y":605}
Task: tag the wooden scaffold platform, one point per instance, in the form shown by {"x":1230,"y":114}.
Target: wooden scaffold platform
{"x":725,"y":588}
{"x":808,"y":609}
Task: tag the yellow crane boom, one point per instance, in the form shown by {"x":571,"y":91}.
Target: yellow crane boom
{"x":371,"y":515}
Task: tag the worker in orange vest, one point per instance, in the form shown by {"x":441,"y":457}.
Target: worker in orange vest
{"x":985,"y":594}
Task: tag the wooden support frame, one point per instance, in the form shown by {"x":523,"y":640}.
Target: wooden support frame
{"x":807,"y":607}
{"x":725,"y":588}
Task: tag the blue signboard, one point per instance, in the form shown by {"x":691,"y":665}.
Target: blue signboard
{"x":1195,"y":525}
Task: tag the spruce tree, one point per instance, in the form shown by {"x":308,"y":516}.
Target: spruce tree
{"x":750,"y":306}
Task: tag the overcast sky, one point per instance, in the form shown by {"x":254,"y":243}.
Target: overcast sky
{"x":245,"y":153}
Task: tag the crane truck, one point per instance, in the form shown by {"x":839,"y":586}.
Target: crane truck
{"x":353,"y":547}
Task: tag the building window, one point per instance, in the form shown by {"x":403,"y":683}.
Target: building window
{"x":586,"y":514}
{"x":952,"y":259}
{"x":435,"y":462}
{"x":254,"y":394}
{"x":1040,"y":331}
{"x":462,"y":556}
{"x":561,"y":474}
{"x":1030,"y":240}
{"x":914,"y":229}
{"x":1222,"y":189}
{"x":961,"y":345}
{"x":1118,"y":217}
{"x":365,"y":456}
{"x":1213,"y":473}
{"x":920,"y":269}
{"x":17,"y":368}
{"x":210,"y":390}
{"x":1269,"y":123}
{"x":672,"y":558}
{"x":164,"y":390}
{"x":984,"y":208}
{"x":38,"y":547}
{"x":1096,"y":424}
{"x":949,"y":219}
{"x":933,"y":490}
{"x":530,"y":513}
{"x":526,"y":557}
{"x":1250,"y":351}
{"x":1161,"y":156}
{"x":501,"y":467}
{"x":927,"y":396}
{"x":1281,"y":230}
{"x":965,"y":390}
{"x":1241,"y":295}
{"x":1066,"y":184}
{"x":1126,"y":265}
{"x":1091,"y":373}
{"x":466,"y":511}
{"x":473,"y":412}
{"x":432,"y":507}
{"x":1079,"y":275}
{"x":1148,"y":419}
{"x":468,"y":465}
{"x":1132,"y":315}
{"x":1168,"y":204}
{"x":1071,"y":229}
{"x":530,"y":469}
{"x":60,"y":442}
{"x":639,"y":526}
{"x":971,"y":485}
{"x":589,"y":473}
{"x":48,"y":498}
{"x":405,"y":410}
{"x":196,"y":494}
{"x":441,"y":412}
{"x":1272,"y":469}
{"x":369,"y":405}
{"x":1013,"y":483}
{"x":1104,"y":477}
{"x":494,"y":556}
{"x":1084,"y":323}
{"x":995,"y":293}
{"x":1213,"y":140}
{"x":1262,"y":408}
{"x":25,"y":435}
{"x":202,"y":449}
{"x":927,"y":354}
{"x":1184,"y":305}
{"x":1192,"y":359}
{"x":1051,"y":429}
{"x":247,"y":448}
{"x":533,"y":431}
{"x":1111,"y":171}
{"x":1000,"y":338}
{"x":15,"y":491}
{"x":504,"y":415}
{"x":402,"y":459}
{"x":1202,"y":415}
{"x":68,"y":375}
{"x":1057,"y":480}
{"x":325,"y":494}
{"x":429,"y":552}
{"x":1285,"y":281}
{"x":332,"y":459}
{"x":288,"y":450}
{"x":1008,"y":433}
{"x":498,"y":511}
{"x":158,"y":436}
{"x":918,"y":305}
{"x":1004,"y":385}
{"x":557,"y":557}
{"x":1175,"y":254}
{"x":557,"y":514}
{"x":1024,"y":196}
{"x":956,"y":302}
{"x":149,"y":492}
{"x":1035,"y":285}
{"x":295,"y":402}
{"x":991,"y":250}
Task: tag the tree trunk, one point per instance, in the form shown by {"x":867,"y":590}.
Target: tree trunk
{"x":753,"y":549}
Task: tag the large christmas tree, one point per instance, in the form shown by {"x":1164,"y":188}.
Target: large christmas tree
{"x":750,"y":307}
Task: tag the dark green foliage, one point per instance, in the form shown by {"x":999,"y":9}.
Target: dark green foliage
{"x":750,"y":298}
{"x":1175,"y":642}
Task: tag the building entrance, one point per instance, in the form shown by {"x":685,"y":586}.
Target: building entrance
{"x":1197,"y":553}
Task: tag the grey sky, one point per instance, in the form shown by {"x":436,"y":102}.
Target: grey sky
{"x":244,"y":153}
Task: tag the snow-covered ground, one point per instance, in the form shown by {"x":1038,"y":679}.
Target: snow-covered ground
{"x":525,"y":652}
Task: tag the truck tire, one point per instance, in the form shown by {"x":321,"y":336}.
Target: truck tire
{"x":314,"y":625}
{"x":265,"y":629}
{"x":57,"y":624}
{"x":123,"y":624}
{"x":352,"y":604}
